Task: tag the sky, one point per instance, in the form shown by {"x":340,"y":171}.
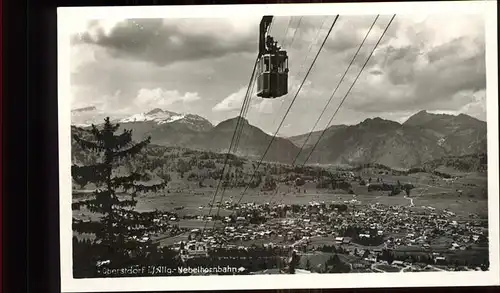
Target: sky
{"x":203,"y":66}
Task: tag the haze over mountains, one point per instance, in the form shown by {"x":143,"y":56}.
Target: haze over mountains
{"x":423,"y":137}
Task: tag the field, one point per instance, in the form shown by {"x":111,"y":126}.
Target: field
{"x":186,"y":198}
{"x":193,"y":180}
{"x":196,"y":202}
{"x":463,"y":196}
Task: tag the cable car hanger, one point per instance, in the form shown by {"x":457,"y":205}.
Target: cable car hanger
{"x":272,"y":68}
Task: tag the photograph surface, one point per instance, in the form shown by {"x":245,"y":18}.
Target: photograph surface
{"x":335,"y":142}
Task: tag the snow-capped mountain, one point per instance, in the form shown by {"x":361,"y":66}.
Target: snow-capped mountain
{"x":157,"y":115}
{"x":84,"y":117}
{"x":165,"y":127}
{"x":160,"y":117}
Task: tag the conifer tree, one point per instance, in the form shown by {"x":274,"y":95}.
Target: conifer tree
{"x":120,"y":229}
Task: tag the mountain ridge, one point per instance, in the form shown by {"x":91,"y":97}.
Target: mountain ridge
{"x":422,"y":137}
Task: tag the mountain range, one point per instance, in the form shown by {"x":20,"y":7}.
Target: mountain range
{"x":423,"y":137}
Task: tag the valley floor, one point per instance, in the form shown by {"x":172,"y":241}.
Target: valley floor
{"x":439,"y":216}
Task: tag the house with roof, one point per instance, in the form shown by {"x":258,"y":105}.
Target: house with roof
{"x":440,"y":260}
{"x":194,"y":248}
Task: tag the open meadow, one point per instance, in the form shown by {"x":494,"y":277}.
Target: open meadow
{"x":464,"y":196}
{"x":196,"y":201}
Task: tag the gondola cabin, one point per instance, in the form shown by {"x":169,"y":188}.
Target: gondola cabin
{"x":272,"y":67}
{"x":272,"y":79}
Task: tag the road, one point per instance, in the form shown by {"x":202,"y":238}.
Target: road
{"x":374,"y":268}
{"x":411,"y":200}
{"x":437,"y":269}
{"x":404,"y":269}
{"x":302,"y":240}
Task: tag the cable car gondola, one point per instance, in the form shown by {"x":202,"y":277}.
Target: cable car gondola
{"x":272,"y":67}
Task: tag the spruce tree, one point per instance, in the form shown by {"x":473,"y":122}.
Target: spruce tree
{"x":119,"y":229}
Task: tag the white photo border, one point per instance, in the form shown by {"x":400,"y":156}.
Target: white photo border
{"x":355,"y":280}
